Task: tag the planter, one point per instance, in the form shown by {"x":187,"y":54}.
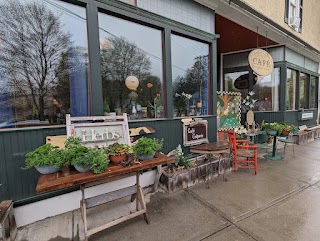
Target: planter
{"x":146,"y":157}
{"x":271,"y":132}
{"x":47,"y":169}
{"x":285,"y":132}
{"x":117,"y":159}
{"x":80,"y":168}
{"x":180,"y":179}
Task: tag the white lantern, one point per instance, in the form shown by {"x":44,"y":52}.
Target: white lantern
{"x":132,"y":82}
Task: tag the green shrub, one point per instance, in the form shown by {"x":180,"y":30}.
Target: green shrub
{"x":45,"y":155}
{"x":147,"y":146}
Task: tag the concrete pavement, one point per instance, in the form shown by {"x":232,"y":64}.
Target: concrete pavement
{"x":282,"y":203}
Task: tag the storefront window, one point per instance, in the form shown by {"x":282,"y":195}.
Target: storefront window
{"x":303,"y":93}
{"x":131,"y":65}
{"x":267,"y":92}
{"x":43,"y":62}
{"x":313,"y":91}
{"x":190,"y":76}
{"x":237,"y":82}
{"x":291,"y":89}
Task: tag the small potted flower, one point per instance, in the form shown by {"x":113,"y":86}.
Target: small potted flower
{"x":118,"y":152}
{"x":146,"y":148}
{"x":46,"y":159}
{"x":286,"y":128}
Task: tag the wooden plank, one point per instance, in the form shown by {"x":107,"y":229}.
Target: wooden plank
{"x":117,"y":221}
{"x":51,"y":182}
{"x":56,"y":140}
{"x":110,"y":196}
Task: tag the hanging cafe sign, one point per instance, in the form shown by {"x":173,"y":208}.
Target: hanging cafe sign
{"x":261,"y":62}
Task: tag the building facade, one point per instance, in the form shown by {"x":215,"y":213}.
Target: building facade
{"x":158,"y":61}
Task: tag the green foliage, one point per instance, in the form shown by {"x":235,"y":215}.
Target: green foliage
{"x":147,"y":146}
{"x":75,"y":155}
{"x":272,"y":127}
{"x":118,"y":149}
{"x":181,"y":160}
{"x":288,"y":127}
{"x":97,"y":160}
{"x":71,"y":141}
{"x":45,"y":155}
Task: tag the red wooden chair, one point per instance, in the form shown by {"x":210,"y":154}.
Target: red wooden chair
{"x":245,"y":156}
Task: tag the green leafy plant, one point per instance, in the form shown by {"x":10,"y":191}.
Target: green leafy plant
{"x":71,"y":141}
{"x":97,"y":160}
{"x":272,"y":127}
{"x":75,"y":155}
{"x":288,"y":127}
{"x":181,"y":160}
{"x":45,"y":155}
{"x":147,"y":146}
{"x":118,"y":149}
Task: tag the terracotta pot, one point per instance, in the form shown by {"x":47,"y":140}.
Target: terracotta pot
{"x":116,"y":159}
{"x":285,"y":132}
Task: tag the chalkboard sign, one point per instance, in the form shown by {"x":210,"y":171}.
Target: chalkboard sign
{"x":195,"y":133}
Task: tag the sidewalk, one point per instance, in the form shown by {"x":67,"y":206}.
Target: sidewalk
{"x":280,"y":203}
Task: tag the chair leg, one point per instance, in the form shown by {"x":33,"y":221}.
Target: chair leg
{"x":284,"y":149}
{"x":293,"y":148}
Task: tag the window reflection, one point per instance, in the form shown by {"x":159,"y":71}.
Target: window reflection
{"x":43,"y":62}
{"x":313,"y":91}
{"x":190,"y":76}
{"x":303,"y":91}
{"x":131,"y":52}
{"x":237,"y":82}
{"x":267,"y":92}
{"x":291,"y":89}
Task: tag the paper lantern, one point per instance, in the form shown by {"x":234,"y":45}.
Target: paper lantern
{"x":132,"y":82}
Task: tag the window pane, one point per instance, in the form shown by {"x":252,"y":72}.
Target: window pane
{"x":130,"y":49}
{"x":43,"y":62}
{"x":303,"y":91}
{"x":291,"y":89}
{"x":267,"y":92}
{"x":237,"y":82}
{"x":190,"y":76}
{"x":313,"y":91}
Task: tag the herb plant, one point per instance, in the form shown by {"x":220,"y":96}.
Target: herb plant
{"x":118,"y":149}
{"x":45,"y":155}
{"x":97,"y":160}
{"x":181,"y":160}
{"x":71,"y":141}
{"x":147,"y":146}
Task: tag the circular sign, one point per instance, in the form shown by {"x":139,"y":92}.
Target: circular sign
{"x":261,"y":62}
{"x":132,"y":82}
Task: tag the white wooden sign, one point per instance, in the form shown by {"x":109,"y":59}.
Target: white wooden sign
{"x":99,"y":131}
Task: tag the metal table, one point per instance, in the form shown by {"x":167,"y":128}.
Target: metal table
{"x":219,"y":148}
{"x":274,"y":156}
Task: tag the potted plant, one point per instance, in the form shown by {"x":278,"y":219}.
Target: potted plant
{"x":272,"y":128}
{"x":286,"y":128}
{"x":96,"y":159}
{"x":46,"y":159}
{"x":74,"y":152}
{"x":146,"y":148}
{"x":118,"y":152}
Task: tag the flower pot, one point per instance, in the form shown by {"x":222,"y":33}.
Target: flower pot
{"x":81,"y":168}
{"x":146,"y":157}
{"x":285,"y":132}
{"x":117,"y":159}
{"x":271,"y":132}
{"x":47,"y":169}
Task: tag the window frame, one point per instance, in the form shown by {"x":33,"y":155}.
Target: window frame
{"x":298,"y":11}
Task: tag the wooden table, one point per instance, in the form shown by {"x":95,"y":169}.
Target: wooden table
{"x":215,"y":148}
{"x":52,"y":182}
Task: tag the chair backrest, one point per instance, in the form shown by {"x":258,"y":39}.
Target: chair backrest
{"x":232,"y":141}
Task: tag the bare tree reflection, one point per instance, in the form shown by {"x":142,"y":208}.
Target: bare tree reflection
{"x":32,"y":44}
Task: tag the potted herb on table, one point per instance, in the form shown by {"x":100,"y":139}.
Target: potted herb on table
{"x":46,"y":159}
{"x":146,"y":148}
{"x":272,"y":128}
{"x":287,"y":129}
{"x":118,"y":152}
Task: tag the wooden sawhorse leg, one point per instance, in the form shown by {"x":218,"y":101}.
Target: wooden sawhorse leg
{"x":141,"y":207}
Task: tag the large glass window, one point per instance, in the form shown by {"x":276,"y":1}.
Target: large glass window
{"x":190,"y":76}
{"x":313,"y":91}
{"x":303,"y":91}
{"x":267,"y":92}
{"x":131,"y":65}
{"x":43,"y":62}
{"x":291,"y":89}
{"x":237,"y":82}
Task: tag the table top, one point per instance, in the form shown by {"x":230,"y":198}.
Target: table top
{"x":50,"y":182}
{"x":214,"y":146}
